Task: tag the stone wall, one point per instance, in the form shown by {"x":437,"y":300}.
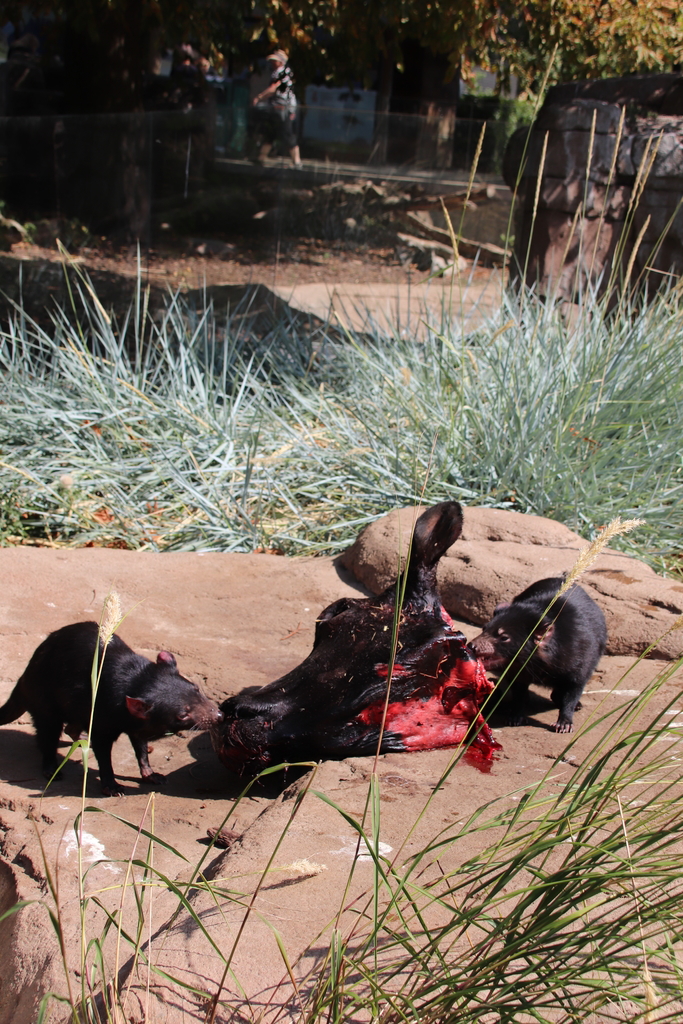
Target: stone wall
{"x":611,"y":176}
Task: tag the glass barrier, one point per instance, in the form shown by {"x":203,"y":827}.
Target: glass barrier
{"x":195,"y":191}
{"x":137,"y":172}
{"x":364,"y":137}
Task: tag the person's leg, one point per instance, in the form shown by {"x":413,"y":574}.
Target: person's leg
{"x":271,"y":130}
{"x":289,"y":137}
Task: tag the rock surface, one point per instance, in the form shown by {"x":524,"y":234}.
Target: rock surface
{"x":501,"y":552}
{"x":592,"y":206}
{"x":233,"y":621}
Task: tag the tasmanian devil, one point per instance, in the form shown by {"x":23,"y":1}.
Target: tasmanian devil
{"x":349,"y":693}
{"x":532,"y":640}
{"x":142,"y":698}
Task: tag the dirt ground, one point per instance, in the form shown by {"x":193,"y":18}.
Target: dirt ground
{"x":315,"y":276}
{"x":113,"y":270}
{"x":294,"y":262}
{"x":232,"y":621}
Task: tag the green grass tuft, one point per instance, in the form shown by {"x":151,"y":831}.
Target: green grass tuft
{"x":190,"y":431}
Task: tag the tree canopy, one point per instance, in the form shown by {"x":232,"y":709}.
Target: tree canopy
{"x":588,"y":38}
{"x":346,"y":39}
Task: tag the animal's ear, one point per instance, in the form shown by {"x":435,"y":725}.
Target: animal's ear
{"x":501,"y":607}
{"x":166,"y":658}
{"x":138,"y":708}
{"x":542,"y":638}
{"x":435,"y":531}
{"x":336,"y":608}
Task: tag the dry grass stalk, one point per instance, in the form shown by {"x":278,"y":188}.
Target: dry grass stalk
{"x":539,"y":179}
{"x":678,"y":624}
{"x":634,"y":251}
{"x":588,"y":554}
{"x":610,"y":180}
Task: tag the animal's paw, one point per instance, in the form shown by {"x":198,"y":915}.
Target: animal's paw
{"x":561,"y":726}
{"x":113,"y":790}
{"x":516,"y":719}
{"x":154,"y":779}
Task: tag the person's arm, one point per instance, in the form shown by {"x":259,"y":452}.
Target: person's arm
{"x":266,"y":92}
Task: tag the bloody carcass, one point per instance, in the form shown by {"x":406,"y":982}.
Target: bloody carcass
{"x":350,"y":697}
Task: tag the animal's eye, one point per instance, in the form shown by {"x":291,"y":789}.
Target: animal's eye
{"x":503,"y":637}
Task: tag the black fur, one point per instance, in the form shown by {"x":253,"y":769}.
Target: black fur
{"x":142,"y":698}
{"x":557,"y":647}
{"x":330,"y":706}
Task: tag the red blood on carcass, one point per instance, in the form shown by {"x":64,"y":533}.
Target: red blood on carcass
{"x":333,"y":704}
{"x":444,"y":710}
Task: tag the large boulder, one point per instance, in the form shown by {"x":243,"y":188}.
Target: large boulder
{"x":581,"y":222}
{"x":502,"y":552}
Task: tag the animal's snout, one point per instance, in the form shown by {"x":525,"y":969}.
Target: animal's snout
{"x":485,"y":649}
{"x":482,"y":644}
{"x":205,"y":714}
{"x":213,"y":715}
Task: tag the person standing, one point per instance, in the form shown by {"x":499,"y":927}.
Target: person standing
{"x":279,"y":100}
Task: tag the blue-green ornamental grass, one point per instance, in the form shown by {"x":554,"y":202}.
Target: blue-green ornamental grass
{"x":187,"y":431}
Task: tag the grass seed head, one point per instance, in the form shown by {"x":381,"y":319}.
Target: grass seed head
{"x":588,"y":554}
{"x":305,"y":867}
{"x":111,"y":617}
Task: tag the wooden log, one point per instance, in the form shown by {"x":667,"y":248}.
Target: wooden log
{"x":456,"y":200}
{"x":486,"y":252}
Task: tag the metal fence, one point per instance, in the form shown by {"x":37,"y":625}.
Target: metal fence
{"x":197,"y":171}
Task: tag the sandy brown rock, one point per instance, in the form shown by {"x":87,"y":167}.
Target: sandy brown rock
{"x":232,"y":621}
{"x":502,"y":552}
{"x":29,"y":955}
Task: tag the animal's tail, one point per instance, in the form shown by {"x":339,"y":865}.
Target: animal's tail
{"x":435,"y":531}
{"x":14,"y":708}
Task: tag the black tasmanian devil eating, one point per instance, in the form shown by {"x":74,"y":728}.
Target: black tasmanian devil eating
{"x":143,"y":698}
{"x":533,"y":640}
{"x":335,"y":703}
